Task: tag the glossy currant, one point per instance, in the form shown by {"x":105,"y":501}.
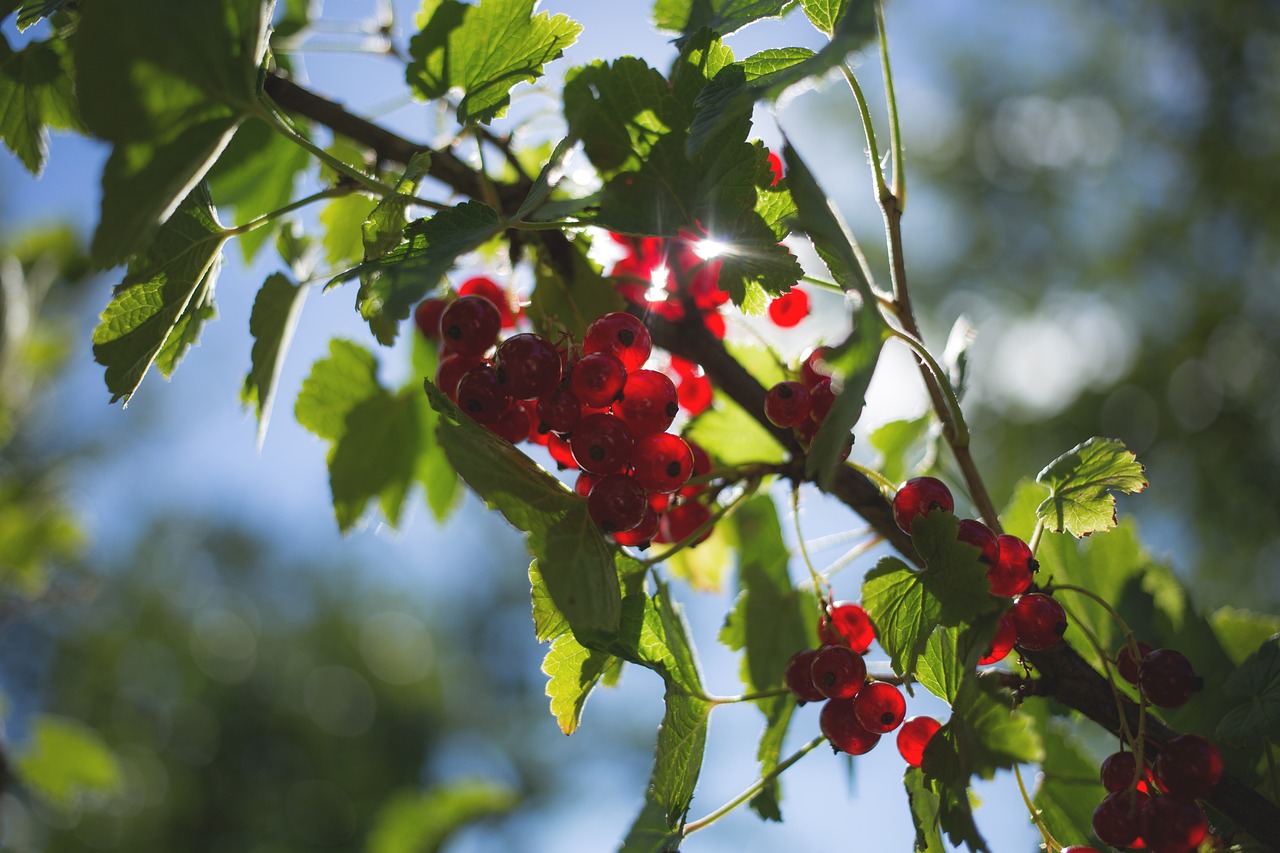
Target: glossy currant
{"x":528,"y":365}
{"x":681,"y":521}
{"x":975,"y":533}
{"x":427,"y":317}
{"x":918,"y":497}
{"x":695,"y":394}
{"x":621,"y":335}
{"x":814,"y":368}
{"x":840,"y":726}
{"x":482,"y":396}
{"x":663,"y":462}
{"x":616,"y":503}
{"x":1167,"y":678}
{"x":1173,"y":825}
{"x":1115,"y":823}
{"x":1117,"y":771}
{"x":789,"y":309}
{"x":821,"y":397}
{"x":797,"y":676}
{"x":838,"y":672}
{"x":643,"y":533}
{"x":1002,"y":641}
{"x":1127,"y":665}
{"x":649,"y":402}
{"x":1040,"y":621}
{"x":701,"y":468}
{"x":488,"y":288}
{"x":470,"y":325}
{"x":559,"y":411}
{"x":602,"y":444}
{"x":1189,"y":766}
{"x":597,"y":379}
{"x":560,"y":451}
{"x":451,"y":370}
{"x":880,"y":707}
{"x":513,"y":425}
{"x":787,"y":404}
{"x":914,"y":736}
{"x":847,"y":624}
{"x":1010,"y":574}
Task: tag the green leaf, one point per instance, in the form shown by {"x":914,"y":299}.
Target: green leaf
{"x":905,"y":447}
{"x":703,"y":567}
{"x":1080,"y":483}
{"x":375,"y":457}
{"x":158,"y":309}
{"x":723,"y":16}
{"x":682,"y":738}
{"x":823,"y":14}
{"x":560,"y":305}
{"x":276,"y":310}
{"x":66,"y":761}
{"x":1242,"y":631}
{"x":573,"y":672}
{"x":35,"y":94}
{"x":383,"y":230}
{"x":777,"y":711}
{"x":333,"y":388}
{"x":736,"y":437}
{"x":32,"y":11}
{"x":984,"y":734}
{"x":951,"y":654}
{"x":754,"y":263}
{"x":650,"y":832}
{"x":902,"y":610}
{"x":954,"y":572}
{"x":1069,"y":788}
{"x":343,"y":221}
{"x":427,"y":73}
{"x":925,"y":806}
{"x":618,"y":110}
{"x":434,"y":471}
{"x":414,"y":822}
{"x":1256,"y":686}
{"x":548,"y":621}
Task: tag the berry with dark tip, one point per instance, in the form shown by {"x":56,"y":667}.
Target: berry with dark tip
{"x":1117,"y":771}
{"x":880,"y":707}
{"x":1167,"y":678}
{"x":1189,"y":766}
{"x":914,"y":736}
{"x":470,"y":325}
{"x":1173,"y":825}
{"x":663,"y":462}
{"x":1127,"y":664}
{"x":602,"y":444}
{"x":1115,"y":823}
{"x":838,"y":672}
{"x":560,"y":451}
{"x":1002,"y":641}
{"x":1039,"y":620}
{"x":789,"y":309}
{"x":642,"y":534}
{"x":559,"y":411}
{"x":649,"y":402}
{"x":528,"y":365}
{"x":597,"y":379}
{"x":841,"y":728}
{"x":427,"y":317}
{"x":798,"y":678}
{"x":847,"y":624}
{"x":975,"y":533}
{"x":482,"y":396}
{"x":513,"y":426}
{"x":621,"y":335}
{"x":787,"y":404}
{"x":1010,"y":574}
{"x":494,"y":292}
{"x":920,"y":496}
{"x":617,"y":503}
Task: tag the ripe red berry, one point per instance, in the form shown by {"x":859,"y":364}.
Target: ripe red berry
{"x":451,"y":370}
{"x":680,"y":522}
{"x":823,"y":397}
{"x":494,"y":292}
{"x":1167,"y":679}
{"x":528,"y":365}
{"x":481,"y":396}
{"x":701,"y":468}
{"x":797,"y":676}
{"x":597,"y":379}
{"x":695,"y":394}
{"x":1117,"y":771}
{"x":1040,"y":621}
{"x":1189,"y":766}
{"x":621,"y":335}
{"x":1115,"y":823}
{"x":840,"y":726}
{"x":470,"y":325}
{"x":663,"y":462}
{"x":880,"y":707}
{"x":427,"y":317}
{"x":975,"y":533}
{"x":775,"y":167}
{"x":1127,"y":664}
{"x":847,"y":624}
{"x":814,"y":368}
{"x":787,"y":404}
{"x":616,"y":503}
{"x":838,"y":672}
{"x":1010,"y":574}
{"x":513,"y":425}
{"x":1173,"y":825}
{"x":914,"y":736}
{"x":918,"y":497}
{"x":1003,"y":640}
{"x":560,"y":451}
{"x":602,"y":444}
{"x":559,"y":411}
{"x":649,"y":402}
{"x":790,"y":308}
{"x":585,"y":483}
{"x":643,"y":533}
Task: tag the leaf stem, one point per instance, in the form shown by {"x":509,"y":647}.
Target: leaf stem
{"x":887,"y":486}
{"x":895,"y":129}
{"x":869,"y":129}
{"x":958,"y":429}
{"x":1036,"y":534}
{"x":254,"y":224}
{"x":268,"y":114}
{"x":1050,"y":842}
{"x":748,"y":697}
{"x":756,"y":787}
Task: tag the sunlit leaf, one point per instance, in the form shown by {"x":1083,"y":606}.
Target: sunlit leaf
{"x":64,"y":761}
{"x":1080,"y":484}
{"x":276,"y":310}
{"x":35,"y":94}
{"x":412,"y":822}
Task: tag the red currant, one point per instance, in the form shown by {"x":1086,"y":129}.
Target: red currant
{"x":560,"y":451}
{"x":1040,"y":621}
{"x":701,"y":468}
{"x":880,"y":707}
{"x":663,"y":462}
{"x":481,"y":396}
{"x":790,"y":308}
{"x":491,"y":290}
{"x":602,"y":444}
{"x":823,"y":397}
{"x":847,"y":624}
{"x":585,"y":483}
{"x":695,"y":394}
{"x":512,"y":426}
{"x":1173,"y":825}
{"x":528,"y":365}
{"x":798,"y":678}
{"x":559,"y":410}
{"x":815,"y":368}
{"x":451,"y":370}
{"x":1010,"y":575}
{"x":1127,"y":664}
{"x":975,"y":533}
{"x":649,"y":402}
{"x":1003,"y":640}
{"x":470,"y":325}
{"x":1167,"y":679}
{"x":597,"y":379}
{"x":914,"y":736}
{"x":838,"y":672}
{"x":643,"y":533}
{"x":1117,"y":771}
{"x":680,"y":522}
{"x":787,"y":404}
{"x":1115,"y":823}
{"x":427,"y":317}
{"x":621,"y":335}
{"x":840,"y":726}
{"x":775,"y":168}
{"x":616,"y":503}
{"x":918,"y":497}
{"x":1189,"y":766}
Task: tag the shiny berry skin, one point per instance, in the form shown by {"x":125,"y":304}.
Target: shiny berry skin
{"x":680,"y":522}
{"x":1117,"y":771}
{"x":1189,"y":766}
{"x":695,"y":394}
{"x":560,"y":451}
{"x":840,"y":726}
{"x":787,"y":404}
{"x":481,"y":396}
{"x":847,"y":624}
{"x":918,"y":497}
{"x":797,"y":676}
{"x":1112,"y":821}
{"x":585,"y":483}
{"x":597,"y":379}
{"x":621,"y":335}
{"x":643,"y":533}
{"x":427,"y":317}
{"x":491,"y":290}
{"x":528,"y":365}
{"x":1126,"y":663}
{"x":1173,"y":825}
{"x":775,"y":168}
{"x":822,"y":397}
{"x":1167,"y":679}
{"x":512,"y":426}
{"x":975,"y":533}
{"x":559,"y":411}
{"x":789,"y":309}
{"x":470,"y":325}
{"x":814,"y":368}
{"x":617,"y":503}
{"x":451,"y":370}
{"x":663,"y":462}
{"x":649,"y":402}
{"x":701,"y":468}
{"x":914,"y":736}
{"x":1010,"y":574}
{"x":838,"y":672}
{"x":1002,"y":641}
{"x":602,"y":444}
{"x":880,"y":707}
{"x":1040,"y":622}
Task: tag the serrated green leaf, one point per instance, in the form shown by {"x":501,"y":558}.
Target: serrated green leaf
{"x":421,"y":822}
{"x":902,"y":610}
{"x":1241,"y":631}
{"x":905,"y":447}
{"x":560,"y":305}
{"x":954,"y":572}
{"x":1256,"y":687}
{"x":823,"y":14}
{"x":737,"y":437}
{"x":427,"y":72}
{"x":573,"y":672}
{"x":375,"y":457}
{"x":617,"y":109}
{"x":548,"y":621}
{"x":955,"y":816}
{"x":35,"y":94}
{"x":256,"y":174}
{"x":650,"y":833}
{"x":160,"y":301}
{"x":682,"y":738}
{"x":333,"y":388}
{"x":754,"y":264}
{"x":1069,"y":788}
{"x":951,"y":654}
{"x":925,"y":807}
{"x":343,"y":221}
{"x":984,"y":734}
{"x":1080,"y":483}
{"x":186,"y":332}
{"x":722,"y":16}
{"x":434,"y":471}
{"x":383,"y":230}
{"x":65,"y":761}
{"x":33,"y":10}
{"x":275,"y":314}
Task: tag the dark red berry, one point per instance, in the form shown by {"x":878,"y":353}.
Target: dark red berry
{"x":823,"y":397}
{"x":560,"y":451}
{"x":838,"y":672}
{"x":602,"y":444}
{"x":470,"y":325}
{"x":494,"y":292}
{"x":528,"y":365}
{"x":616,"y":503}
{"x":597,"y":379}
{"x":840,"y":726}
{"x":847,"y":624}
{"x":1173,"y":825}
{"x":914,"y":736}
{"x":585,"y":483}
{"x":798,"y":678}
{"x":680,"y":522}
{"x":1127,"y":664}
{"x":649,"y":402}
{"x":1040,"y":621}
{"x":918,"y":497}
{"x":451,"y":370}
{"x":790,"y":308}
{"x":643,"y":533}
{"x":663,"y":462}
{"x":814,"y":368}
{"x":787,"y":404}
{"x":1115,"y":822}
{"x":481,"y":396}
{"x":621,"y":335}
{"x":659,"y":502}
{"x":975,"y":533}
{"x":1003,"y":640}
{"x":427,"y":317}
{"x":701,"y":468}
{"x":1117,"y":771}
{"x":559,"y":410}
{"x":695,"y":394}
{"x":512,"y":426}
{"x":1167,"y":679}
{"x":806,"y":430}
{"x":880,"y":707}
{"x":1010,"y":574}
{"x":1189,"y":766}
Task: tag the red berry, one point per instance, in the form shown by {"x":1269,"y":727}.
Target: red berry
{"x":787,"y":404}
{"x":918,"y":497}
{"x":701,"y":468}
{"x":1010,"y":574}
{"x":847,"y":624}
{"x":1189,"y":766}
{"x":663,"y":462}
{"x":642,"y":534}
{"x":789,"y":308}
{"x":975,"y":533}
{"x":597,"y":379}
{"x":560,"y":451}
{"x":1117,"y":771}
{"x":427,"y":317}
{"x":695,"y":394}
{"x":840,"y":726}
{"x":621,"y":335}
{"x":602,"y":444}
{"x":451,"y":370}
{"x":1003,"y":640}
{"x":1040,"y":621}
{"x":1173,"y":825}
{"x":528,"y":365}
{"x":559,"y":410}
{"x":823,"y":397}
{"x":470,"y":325}
{"x":775,"y":167}
{"x":1115,"y":823}
{"x":491,"y":290}
{"x":914,"y":736}
{"x":585,"y":483}
{"x":481,"y":396}
{"x":880,"y":707}
{"x":797,"y":676}
{"x":714,"y":323}
{"x":814,"y":368}
{"x":1167,"y":679}
{"x":649,"y":402}
{"x":512,"y":426}
{"x":838,"y":672}
{"x":1127,"y":664}
{"x":680,"y":522}
{"x":617,"y":502}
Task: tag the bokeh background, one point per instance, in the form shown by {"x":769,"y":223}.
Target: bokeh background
{"x":1092,"y":185}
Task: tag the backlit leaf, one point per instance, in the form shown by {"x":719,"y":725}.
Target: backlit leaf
{"x":375,"y":457}
{"x":573,"y":672}
{"x":560,"y":304}
{"x":1080,"y":483}
{"x":1256,"y":687}
{"x":65,"y":761}
{"x":333,"y":388}
{"x":924,"y":811}
{"x":276,"y":310}
{"x":35,"y":94}
{"x":824,"y":14}
{"x":413,"y":822}
{"x":682,"y":739}
{"x":722,"y":16}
